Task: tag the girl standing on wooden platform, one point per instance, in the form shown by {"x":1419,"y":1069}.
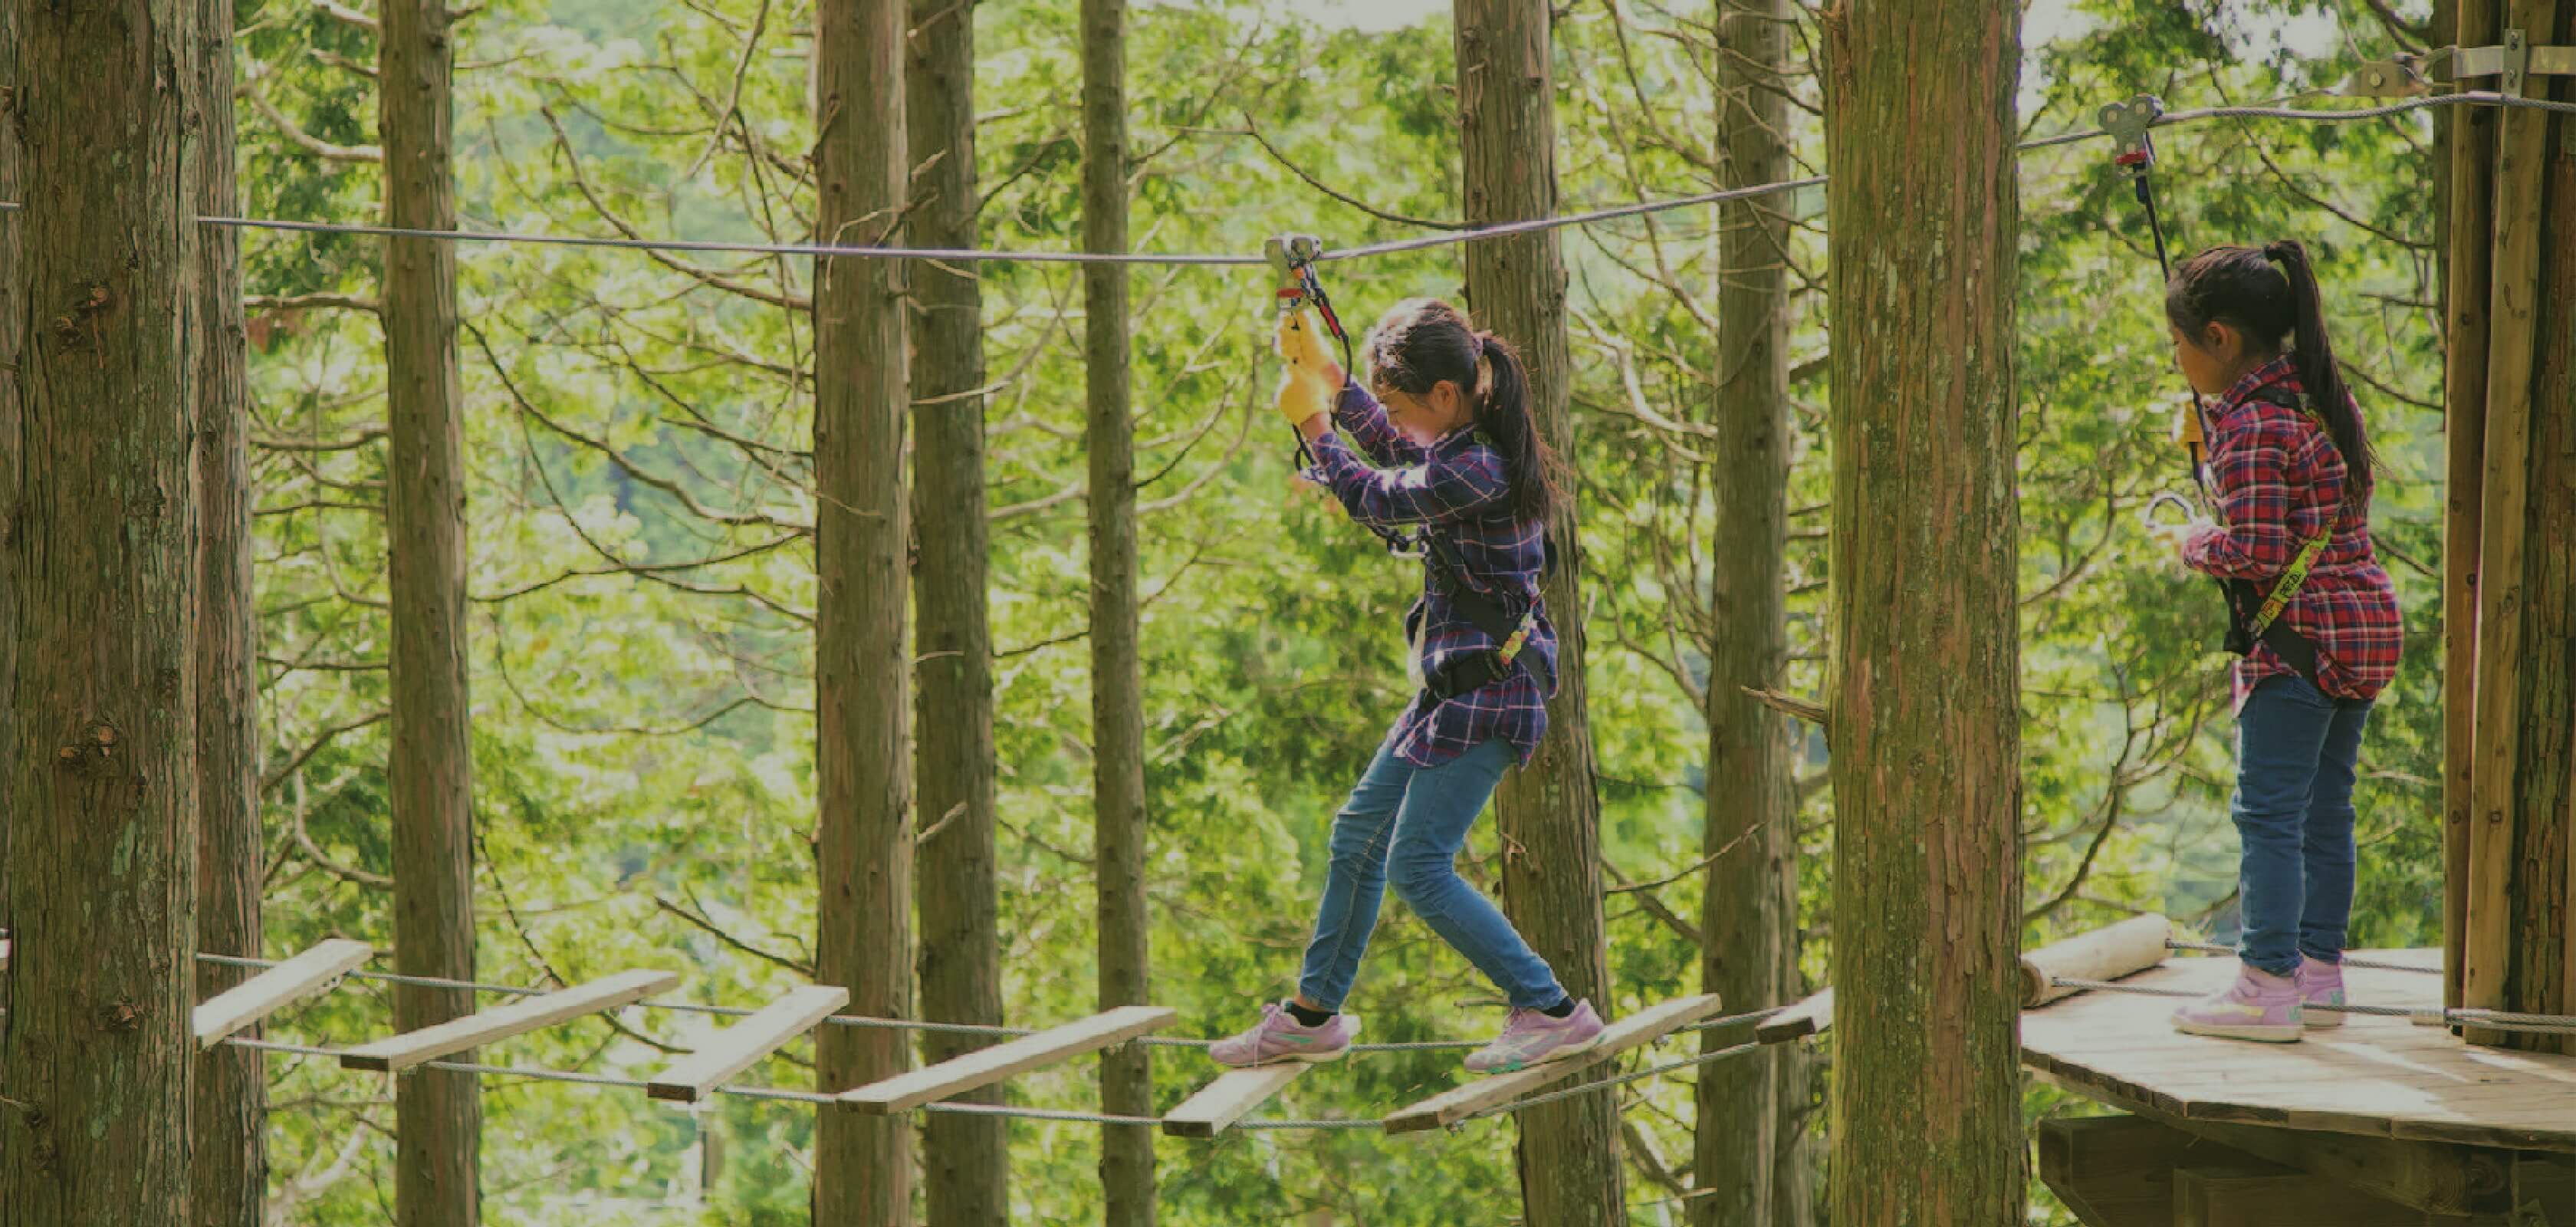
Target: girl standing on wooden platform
{"x":2314,"y":618}
{"x":1464,"y":471}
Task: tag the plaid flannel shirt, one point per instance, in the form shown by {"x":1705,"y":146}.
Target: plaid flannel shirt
{"x":2279,"y":482}
{"x":1457,"y":487}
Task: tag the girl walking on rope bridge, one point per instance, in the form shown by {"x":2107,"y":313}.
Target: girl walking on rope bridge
{"x":1465,"y":472}
{"x":2315,"y":618}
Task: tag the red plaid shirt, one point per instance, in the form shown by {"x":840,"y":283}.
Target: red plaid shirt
{"x":2279,"y":482}
{"x":1458,"y":487}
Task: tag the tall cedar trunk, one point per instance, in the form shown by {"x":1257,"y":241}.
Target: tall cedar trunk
{"x":438,"y":1113}
{"x":966,"y":1158}
{"x":1569,"y":1160}
{"x":229,"y":1155}
{"x":1117,"y":673}
{"x":96,"y":1053}
{"x":1925,"y":729}
{"x":2470,"y":172}
{"x":1749,"y":1111}
{"x":12,"y":320}
{"x":2529,"y":589}
{"x":862,"y":1164}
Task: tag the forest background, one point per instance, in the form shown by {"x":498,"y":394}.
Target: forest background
{"x":642,"y":574}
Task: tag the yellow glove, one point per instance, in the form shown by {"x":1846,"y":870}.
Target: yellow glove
{"x":1302,"y":396}
{"x":1302,"y":343}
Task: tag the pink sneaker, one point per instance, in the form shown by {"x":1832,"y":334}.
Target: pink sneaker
{"x":1533,"y":1038}
{"x":1279,"y":1037}
{"x":2320,"y":984}
{"x":2259,"y":1006}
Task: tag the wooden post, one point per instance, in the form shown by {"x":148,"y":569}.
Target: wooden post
{"x":438,"y":1114}
{"x":2472,"y":201}
{"x":12,"y":328}
{"x":102,"y":541}
{"x":966,"y":1158}
{"x":2502,"y":831}
{"x":862,"y":653}
{"x":1926,"y":764}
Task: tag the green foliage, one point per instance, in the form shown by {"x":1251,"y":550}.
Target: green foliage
{"x":638,"y":428}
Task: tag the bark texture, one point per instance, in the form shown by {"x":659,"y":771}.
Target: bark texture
{"x":438,"y":1113}
{"x":1549,"y":815}
{"x":228,"y":1156}
{"x":965,"y":1159}
{"x":1750,"y":1111}
{"x":862,"y":1164}
{"x":1924,"y":723}
{"x":102,"y":550}
{"x":1117,"y":670}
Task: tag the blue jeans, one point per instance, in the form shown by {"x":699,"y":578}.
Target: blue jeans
{"x":1407,"y":823}
{"x":2296,"y":751}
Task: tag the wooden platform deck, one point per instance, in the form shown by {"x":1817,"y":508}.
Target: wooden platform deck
{"x":2378,"y":1077}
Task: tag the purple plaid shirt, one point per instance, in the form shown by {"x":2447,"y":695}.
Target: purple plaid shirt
{"x":1457,"y":487}
{"x":2280,"y":482}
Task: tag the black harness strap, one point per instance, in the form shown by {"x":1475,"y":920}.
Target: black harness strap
{"x":1468,"y":672}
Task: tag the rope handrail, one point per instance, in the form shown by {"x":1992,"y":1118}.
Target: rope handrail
{"x":1471,"y":235}
{"x":2347,"y":960}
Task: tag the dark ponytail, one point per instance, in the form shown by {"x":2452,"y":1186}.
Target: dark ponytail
{"x":2279,"y":309}
{"x":1502,"y":412}
{"x":1424,"y":342}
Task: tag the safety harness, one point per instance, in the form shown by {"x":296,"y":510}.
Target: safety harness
{"x":1292,"y":257}
{"x":2253,"y":616}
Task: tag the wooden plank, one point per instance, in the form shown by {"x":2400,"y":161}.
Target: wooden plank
{"x":1224,"y":1101}
{"x":2472,"y":149}
{"x":474,"y":1030}
{"x":2442,"y":1177}
{"x":739,"y":1046}
{"x":2254,"y":1197}
{"x":1813,"y":1016}
{"x":987,"y":1066}
{"x":315,"y":971}
{"x":2522,"y":151}
{"x":1451,"y":1106}
{"x":2112,"y":1171}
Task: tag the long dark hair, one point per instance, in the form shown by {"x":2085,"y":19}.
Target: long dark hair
{"x":2241,"y":287}
{"x":1424,"y":341}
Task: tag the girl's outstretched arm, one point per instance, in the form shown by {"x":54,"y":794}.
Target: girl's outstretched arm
{"x":1359,"y":413}
{"x":1436,"y":491}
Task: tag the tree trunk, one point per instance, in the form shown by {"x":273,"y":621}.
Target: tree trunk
{"x":966,"y":1158}
{"x":1117,"y":671}
{"x":229,"y":1154}
{"x":12,"y":324}
{"x":1924,"y":725}
{"x":96,"y":1054}
{"x":862,"y":1164}
{"x":1748,"y":1110}
{"x":2525,"y":769}
{"x":438,"y":1113}
{"x":1549,"y":816}
{"x":2470,"y":208}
